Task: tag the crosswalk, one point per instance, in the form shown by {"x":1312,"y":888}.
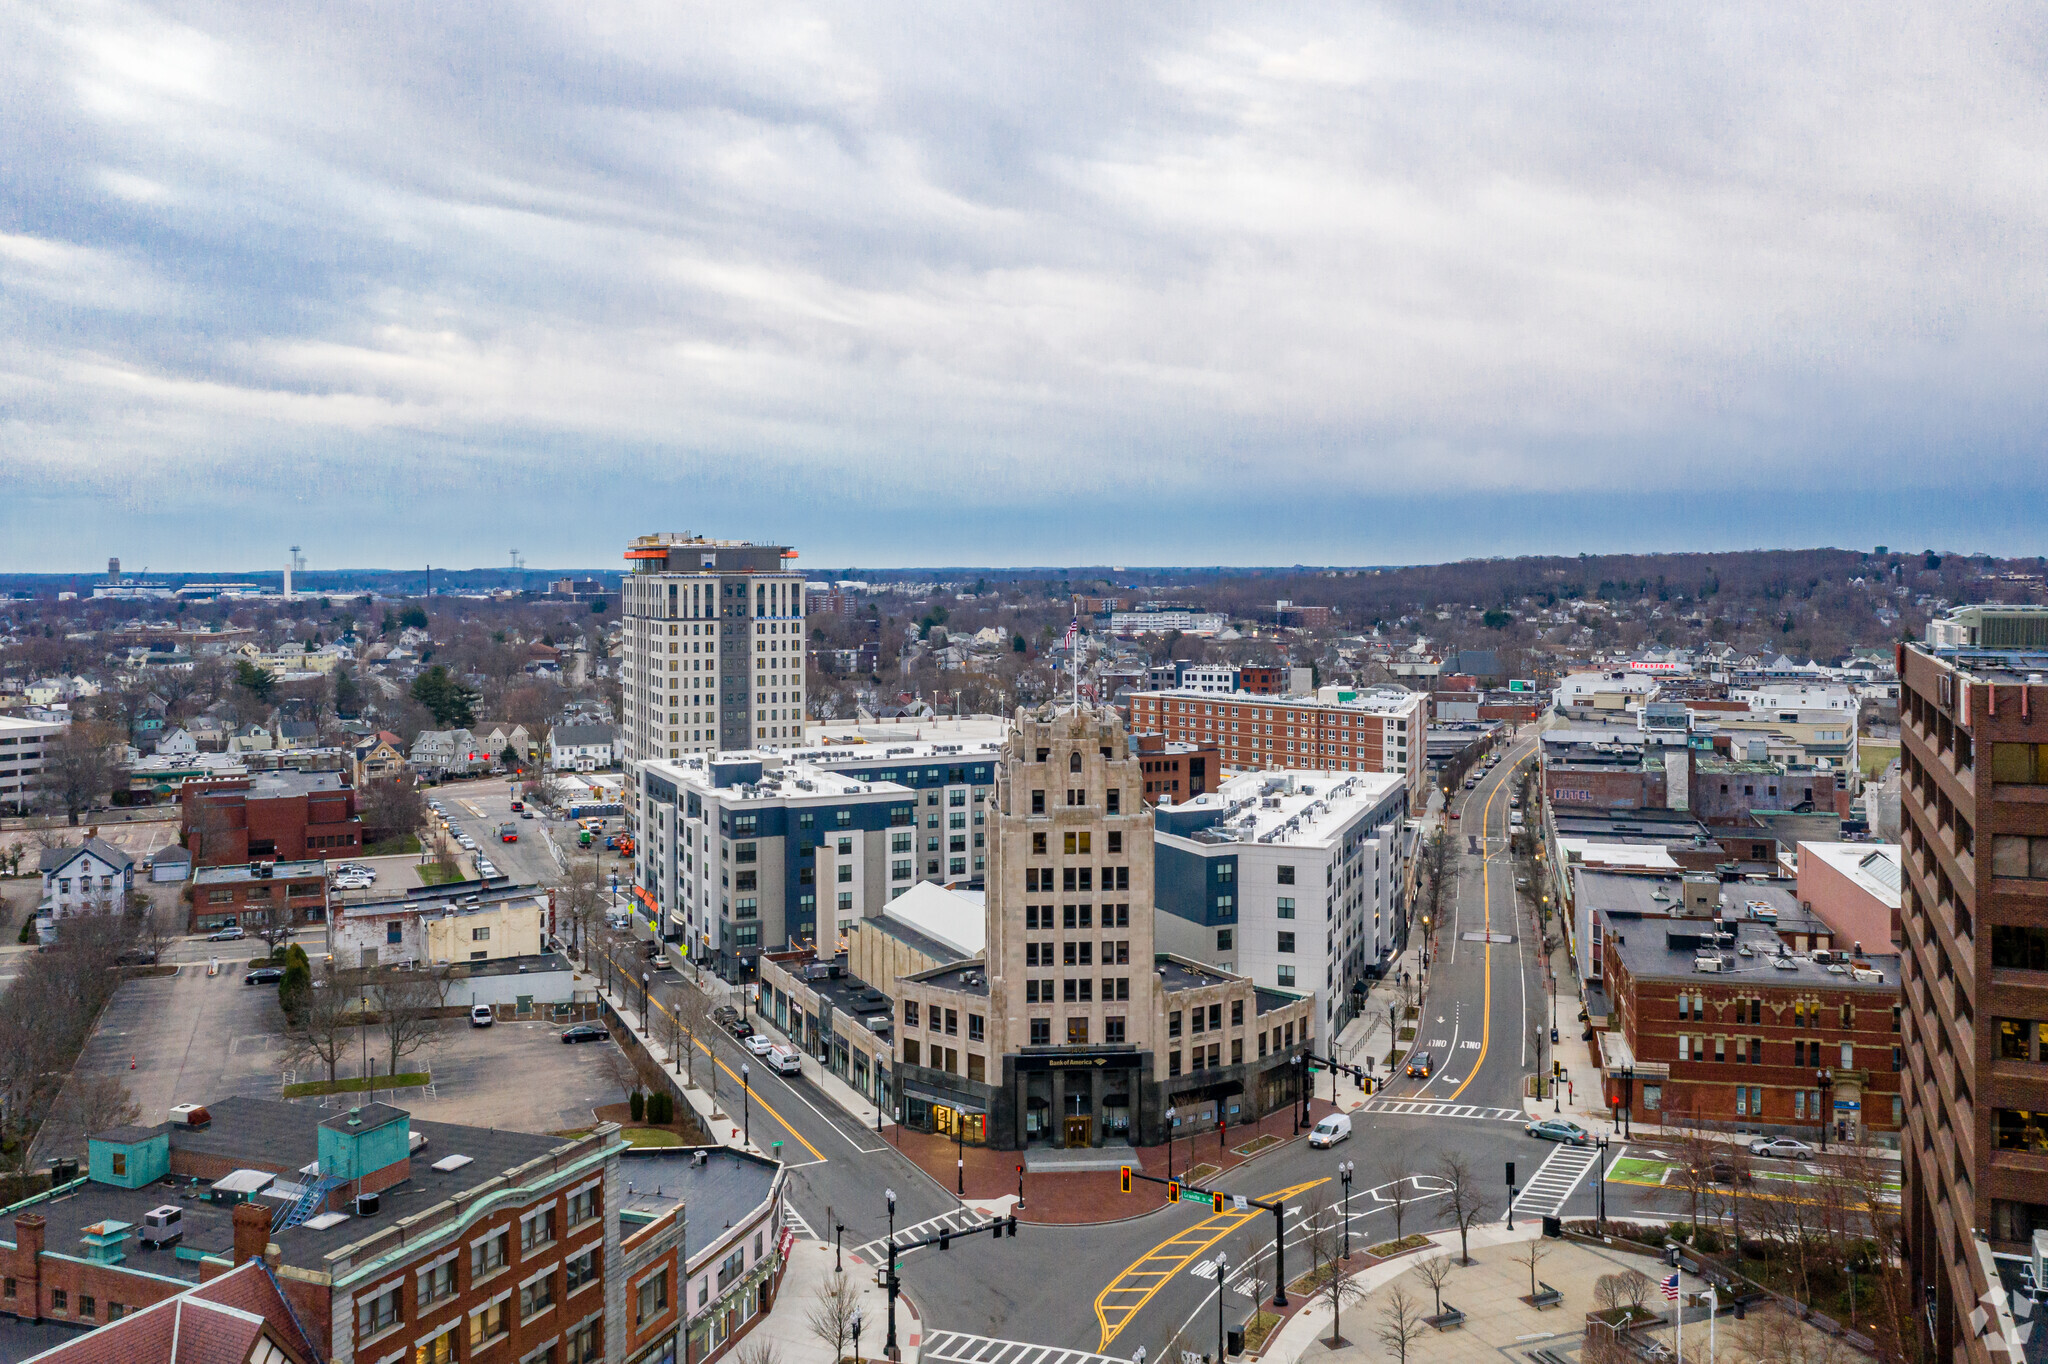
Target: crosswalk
{"x":1245,"y":1285}
{"x":956,"y":1347}
{"x":1417,"y":1108}
{"x":960,"y":1219}
{"x":1555,"y":1180}
{"x":794,"y":1220}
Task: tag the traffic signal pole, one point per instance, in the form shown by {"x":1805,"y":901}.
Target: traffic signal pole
{"x":1001,"y":1227}
{"x":1179,"y":1191}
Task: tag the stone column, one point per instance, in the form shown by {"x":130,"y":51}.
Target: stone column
{"x":1059,"y":1108}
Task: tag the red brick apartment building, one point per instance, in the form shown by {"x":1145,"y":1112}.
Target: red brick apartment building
{"x":1262,"y":679}
{"x":269,"y":816}
{"x":1973,"y":720}
{"x":444,"y":1243}
{"x":1336,"y":730}
{"x":1176,"y":772}
{"x":1748,"y":1045}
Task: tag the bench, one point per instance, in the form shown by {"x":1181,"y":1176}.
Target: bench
{"x":1549,"y":1297}
{"x":1447,"y":1320}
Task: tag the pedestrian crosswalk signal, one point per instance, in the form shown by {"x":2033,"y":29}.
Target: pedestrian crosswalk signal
{"x":1173,"y":1191}
{"x":1216,"y":1201}
{"x":1126,"y":1179}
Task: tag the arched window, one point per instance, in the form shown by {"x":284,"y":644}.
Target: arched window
{"x":1073,"y":762}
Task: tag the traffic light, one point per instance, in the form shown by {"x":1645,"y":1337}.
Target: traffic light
{"x":995,"y":1229}
{"x":1126,"y":1179}
{"x":1216,"y":1201}
{"x":1173,"y":1191}
{"x":945,"y":1239}
{"x":1010,"y":1227}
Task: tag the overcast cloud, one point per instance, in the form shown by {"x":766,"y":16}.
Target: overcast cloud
{"x":1017,"y":284}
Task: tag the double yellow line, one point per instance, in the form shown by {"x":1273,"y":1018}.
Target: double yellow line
{"x":1486,"y":902}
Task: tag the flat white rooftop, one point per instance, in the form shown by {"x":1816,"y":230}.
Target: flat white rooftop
{"x":1294,"y":808}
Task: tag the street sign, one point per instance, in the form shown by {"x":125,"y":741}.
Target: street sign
{"x":1521,"y":684}
{"x":1237,"y":1202}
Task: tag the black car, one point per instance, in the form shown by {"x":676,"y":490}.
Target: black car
{"x":584,"y":1032}
{"x":264,"y":975}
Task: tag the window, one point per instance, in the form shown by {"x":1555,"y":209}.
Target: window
{"x":1116,"y":839}
{"x":1077,"y":843}
{"x":438,"y":1350}
{"x":952,"y":1023}
{"x":909,"y":1013}
{"x":579,"y":1270}
{"x":1223,"y":940}
{"x":1038,"y":845}
{"x":1284,"y":976}
{"x":1113,"y":1030}
{"x":537,"y":1297}
{"x":1237,"y":1013}
{"x":1848,"y":1056}
{"x":1173,"y":1063}
{"x":1286,"y":875}
{"x":1173,"y":1024}
{"x":377,"y":1314}
{"x":652,"y":1298}
{"x":1286,"y":942}
{"x":1041,"y":1032}
{"x":1038,"y":802}
{"x":486,"y":1325}
{"x":394,"y":931}
{"x":1077,"y":1032}
{"x":536,"y":1229}
{"x":1286,"y":906}
{"x":910,"y":1052}
{"x":488,"y":1256}
{"x":2020,"y":764}
{"x":437,"y":1282}
{"x":581,"y":1345}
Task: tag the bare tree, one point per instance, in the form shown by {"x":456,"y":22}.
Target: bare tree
{"x":1532,"y":1255}
{"x":830,"y":1317}
{"x":1470,"y":1205}
{"x":78,"y":769}
{"x":324,"y":1025}
{"x":1775,"y":1335}
{"x":1400,"y":1324}
{"x":409,"y":1007}
{"x":1631,"y":1289}
{"x":1435,"y":1271}
{"x":756,"y":1350}
{"x":390,"y":807}
{"x":158,"y":925}
{"x":692,"y":1009}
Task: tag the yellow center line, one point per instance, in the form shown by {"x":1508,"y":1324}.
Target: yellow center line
{"x":1199,"y":1238}
{"x":1486,"y":901}
{"x":816,"y":1154}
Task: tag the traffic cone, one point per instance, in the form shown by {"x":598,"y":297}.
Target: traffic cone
{"x":131,"y":1063}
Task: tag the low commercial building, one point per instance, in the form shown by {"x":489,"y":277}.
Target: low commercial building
{"x":288,"y":816}
{"x":1335,"y":730}
{"x":1177,"y":771}
{"x":258,"y":895}
{"x":1722,"y":1024}
{"x":1855,"y":887}
{"x":438,"y":925}
{"x":1239,"y":873}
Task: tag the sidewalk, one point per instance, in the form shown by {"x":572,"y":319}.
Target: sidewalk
{"x":787,"y":1327}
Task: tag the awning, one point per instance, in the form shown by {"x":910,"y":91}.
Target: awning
{"x":936,"y":1096}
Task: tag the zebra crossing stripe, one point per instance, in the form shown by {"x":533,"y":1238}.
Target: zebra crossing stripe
{"x":1556,"y":1180}
{"x":955,"y":1347}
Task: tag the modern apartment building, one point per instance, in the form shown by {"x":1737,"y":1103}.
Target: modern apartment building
{"x":1239,"y":873}
{"x":1973,"y":720}
{"x":1072,"y":1029}
{"x":1335,"y":730}
{"x":713,"y":647}
{"x":739,"y":851}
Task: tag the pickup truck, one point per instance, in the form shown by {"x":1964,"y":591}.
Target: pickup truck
{"x":785,"y":1060}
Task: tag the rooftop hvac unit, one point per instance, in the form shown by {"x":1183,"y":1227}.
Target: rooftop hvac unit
{"x":1710,"y":964}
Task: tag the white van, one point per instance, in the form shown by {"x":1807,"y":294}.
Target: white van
{"x":785,"y":1060}
{"x":1330,"y":1131}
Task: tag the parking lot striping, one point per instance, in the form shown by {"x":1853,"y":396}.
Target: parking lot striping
{"x":957,"y":1347}
{"x":1556,"y":1180}
{"x":1126,"y":1295}
{"x":962,"y":1220}
{"x":1413,"y":1108}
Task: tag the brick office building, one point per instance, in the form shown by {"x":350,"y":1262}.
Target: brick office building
{"x":1973,"y":721}
{"x":1176,"y":772}
{"x":1746,"y":1036}
{"x":258,"y":895}
{"x":1335,"y":730}
{"x":269,"y":816}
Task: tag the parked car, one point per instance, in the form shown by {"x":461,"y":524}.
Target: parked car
{"x":584,"y":1032}
{"x":728,"y":1018}
{"x":1559,"y":1129}
{"x":482,"y":1016}
{"x":264,"y":975}
{"x":1330,"y":1131}
{"x":759,"y":1044}
{"x":232,"y":933}
{"x":1784,"y":1148}
{"x":1420,"y":1066}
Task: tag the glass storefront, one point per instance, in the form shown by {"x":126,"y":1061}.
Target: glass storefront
{"x":972,"y":1128}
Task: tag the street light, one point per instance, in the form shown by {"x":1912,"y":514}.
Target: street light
{"x":1825,"y":1078}
{"x":1222,"y":1285}
{"x":746,"y":1104}
{"x":645,"y":981}
{"x":1344,"y":1173}
{"x":1628,"y":1098}
{"x":1170,"y":1112}
{"x":889,"y":1349}
{"x":1600,"y":1199}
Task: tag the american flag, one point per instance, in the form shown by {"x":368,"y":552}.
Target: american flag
{"x":1670,"y":1287}
{"x":1073,"y":633}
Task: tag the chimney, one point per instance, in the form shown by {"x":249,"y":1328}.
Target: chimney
{"x":252,"y":1232}
{"x":26,"y":1267}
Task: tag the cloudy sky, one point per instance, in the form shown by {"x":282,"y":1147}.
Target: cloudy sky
{"x":1017,"y":283}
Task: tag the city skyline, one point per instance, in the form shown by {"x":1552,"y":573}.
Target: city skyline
{"x":1222,"y":286}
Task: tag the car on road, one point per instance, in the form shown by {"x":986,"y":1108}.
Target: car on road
{"x":727,"y":1017}
{"x":1330,"y":1131}
{"x":263,"y":975}
{"x":482,"y":1016}
{"x":1420,"y":1066}
{"x":1559,"y":1129}
{"x":232,"y":933}
{"x":508,"y":832}
{"x":526,"y":814}
{"x":584,"y":1032}
{"x":1784,"y":1148}
{"x":759,"y":1044}
{"x":1452,"y":815}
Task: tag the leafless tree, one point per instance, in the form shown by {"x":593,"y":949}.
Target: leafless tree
{"x":1773,"y":1336}
{"x":756,"y":1350}
{"x":579,"y":904}
{"x":1400,"y":1324}
{"x":1470,"y":1205}
{"x":830,"y":1317}
{"x":88,"y":1104}
{"x":1532,"y":1255}
{"x":390,"y":807}
{"x":1436,"y":1271}
{"x":408,"y":1005}
{"x":158,"y":925}
{"x":79,"y":769}
{"x":1631,"y":1288}
{"x":324,"y":1025}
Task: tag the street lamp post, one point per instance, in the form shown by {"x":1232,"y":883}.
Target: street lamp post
{"x":1628,"y":1098}
{"x":646,"y":1026}
{"x":1825,"y":1078}
{"x":1600,"y":1199}
{"x":746,"y":1104}
{"x":1344,"y":1173}
{"x":1170,"y":1112}
{"x":1222,"y":1287}
{"x":890,"y":1348}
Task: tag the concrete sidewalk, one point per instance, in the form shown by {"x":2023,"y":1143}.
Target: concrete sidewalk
{"x":787,"y":1326}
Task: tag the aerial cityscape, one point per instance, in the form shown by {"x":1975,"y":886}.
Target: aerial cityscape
{"x":680,"y":686}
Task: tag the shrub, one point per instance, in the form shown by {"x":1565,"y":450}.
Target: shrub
{"x":637,"y":1106}
{"x":661,"y":1108}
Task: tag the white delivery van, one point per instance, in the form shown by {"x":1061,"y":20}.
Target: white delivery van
{"x":785,"y":1060}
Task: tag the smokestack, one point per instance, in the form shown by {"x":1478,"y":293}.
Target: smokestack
{"x":114,"y":568}
{"x":287,"y":579}
{"x":252,"y":1232}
